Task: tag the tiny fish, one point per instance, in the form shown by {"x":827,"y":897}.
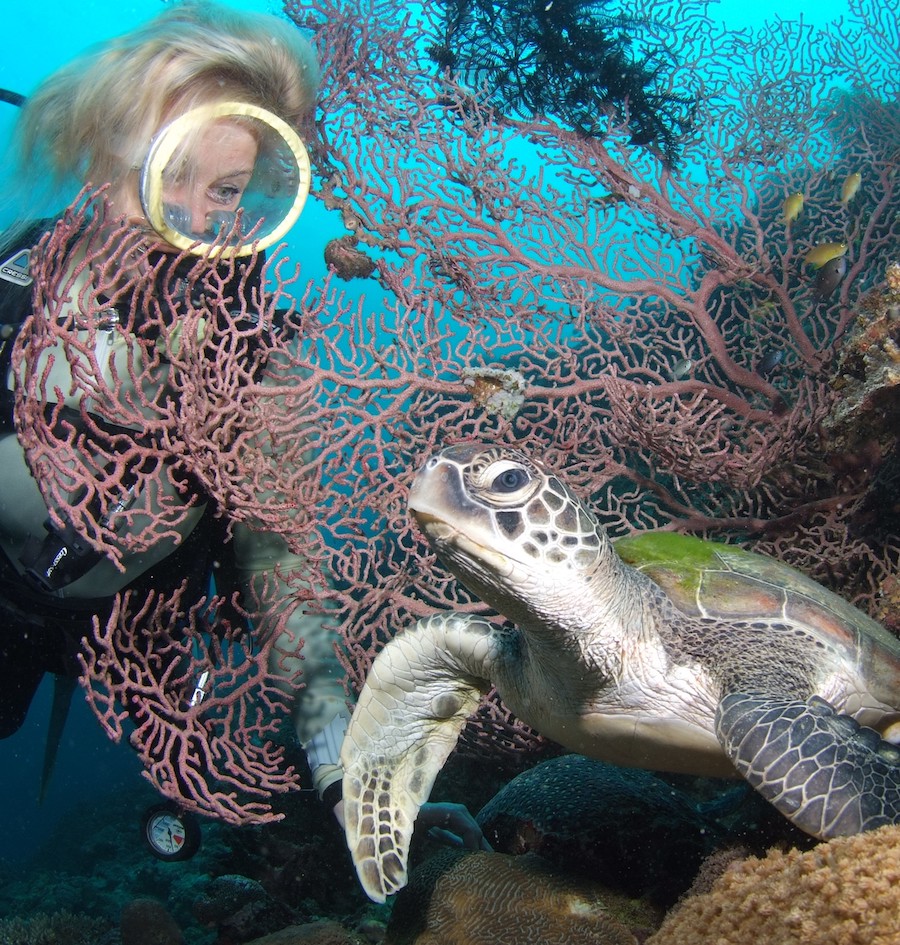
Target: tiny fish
{"x":607,"y":199}
{"x":682,"y":369}
{"x":850,"y":187}
{"x":762,"y":311}
{"x":824,"y":252}
{"x":791,"y":207}
{"x":769,"y":361}
{"x":828,"y":278}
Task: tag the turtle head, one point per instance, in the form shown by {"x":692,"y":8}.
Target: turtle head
{"x":508,"y":529}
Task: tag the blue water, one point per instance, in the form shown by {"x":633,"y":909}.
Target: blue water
{"x":40,"y":37}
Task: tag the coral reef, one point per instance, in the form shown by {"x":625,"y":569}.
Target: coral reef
{"x":865,"y":419}
{"x":861,"y":453}
{"x":458,"y":898}
{"x":147,"y":922}
{"x":51,"y":929}
{"x":293,"y":871}
{"x":623,"y":827}
{"x":239,"y":908}
{"x":301,"y":861}
{"x":314,"y":933}
{"x":94,"y":865}
{"x":844,"y":892}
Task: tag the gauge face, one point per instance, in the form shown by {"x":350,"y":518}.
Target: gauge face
{"x":170,"y":833}
{"x":166,"y":833}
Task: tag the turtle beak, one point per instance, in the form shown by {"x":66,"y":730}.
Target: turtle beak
{"x":425,"y":502}
{"x":457,"y":527}
{"x":436,"y":529}
{"x":438,"y":501}
{"x":436,"y":491}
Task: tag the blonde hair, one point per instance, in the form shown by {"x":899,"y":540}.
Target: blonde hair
{"x":92,"y":121}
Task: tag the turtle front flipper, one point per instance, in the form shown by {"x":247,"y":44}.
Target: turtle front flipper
{"x":822,"y":770}
{"x":419,"y":692}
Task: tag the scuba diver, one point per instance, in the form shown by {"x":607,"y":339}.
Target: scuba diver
{"x":191,"y":123}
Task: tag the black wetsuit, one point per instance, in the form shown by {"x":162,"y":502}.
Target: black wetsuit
{"x":40,"y":631}
{"x":41,"y":634}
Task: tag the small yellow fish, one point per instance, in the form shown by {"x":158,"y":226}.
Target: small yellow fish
{"x":791,"y":207}
{"x":850,"y":187}
{"x":823,"y":253}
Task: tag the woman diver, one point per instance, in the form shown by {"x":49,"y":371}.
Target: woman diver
{"x":191,"y":123}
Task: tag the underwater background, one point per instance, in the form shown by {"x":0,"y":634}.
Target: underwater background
{"x":39,"y":38}
{"x":92,"y":774}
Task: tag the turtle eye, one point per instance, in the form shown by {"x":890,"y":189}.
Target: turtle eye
{"x":510,"y":480}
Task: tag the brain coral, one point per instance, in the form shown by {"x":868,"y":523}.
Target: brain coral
{"x":844,"y":892}
{"x":504,"y":900}
{"x":622,"y":827}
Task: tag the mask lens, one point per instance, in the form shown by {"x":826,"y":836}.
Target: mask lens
{"x":225,"y":178}
{"x":222,"y":223}
{"x":218,"y":225}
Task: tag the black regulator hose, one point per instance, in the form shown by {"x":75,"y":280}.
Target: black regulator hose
{"x":12,"y":97}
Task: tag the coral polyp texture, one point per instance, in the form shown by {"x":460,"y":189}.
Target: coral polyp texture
{"x":504,"y":900}
{"x":844,"y":892}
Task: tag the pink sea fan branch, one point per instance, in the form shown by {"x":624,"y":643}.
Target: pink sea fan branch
{"x":192,"y":693}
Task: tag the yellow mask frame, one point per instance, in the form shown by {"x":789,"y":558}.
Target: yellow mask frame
{"x":288,"y":158}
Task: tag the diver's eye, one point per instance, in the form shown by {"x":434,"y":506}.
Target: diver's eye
{"x":510,"y":479}
{"x":224,"y":193}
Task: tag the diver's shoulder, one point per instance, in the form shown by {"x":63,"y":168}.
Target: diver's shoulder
{"x":16,"y":246}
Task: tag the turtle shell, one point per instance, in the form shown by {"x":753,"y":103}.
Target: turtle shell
{"x":716,"y":580}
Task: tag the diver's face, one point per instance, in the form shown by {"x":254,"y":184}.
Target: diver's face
{"x":218,"y":175}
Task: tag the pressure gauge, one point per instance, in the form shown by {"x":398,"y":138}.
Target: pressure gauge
{"x":170,"y":832}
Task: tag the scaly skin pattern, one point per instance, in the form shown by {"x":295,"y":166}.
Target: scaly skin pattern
{"x":418,"y":695}
{"x":823,"y":771}
{"x":691,"y":657}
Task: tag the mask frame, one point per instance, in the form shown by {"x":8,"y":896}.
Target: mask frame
{"x":167,"y":141}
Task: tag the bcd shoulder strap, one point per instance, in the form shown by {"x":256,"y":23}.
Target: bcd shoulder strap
{"x":15,"y":305}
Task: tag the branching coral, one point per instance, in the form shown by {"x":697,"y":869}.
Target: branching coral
{"x":52,"y":929}
{"x":571,"y":59}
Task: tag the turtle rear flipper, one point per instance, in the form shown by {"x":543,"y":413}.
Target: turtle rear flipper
{"x":421,"y":689}
{"x":822,"y":770}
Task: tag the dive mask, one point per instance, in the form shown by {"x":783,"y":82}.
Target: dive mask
{"x":225,"y":179}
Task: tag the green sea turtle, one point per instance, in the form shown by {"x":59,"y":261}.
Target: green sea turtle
{"x":663,"y":652}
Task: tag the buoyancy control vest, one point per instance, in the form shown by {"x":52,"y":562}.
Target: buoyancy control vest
{"x":61,"y":556}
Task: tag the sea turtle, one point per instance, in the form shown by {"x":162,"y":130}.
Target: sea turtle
{"x":662,"y":652}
